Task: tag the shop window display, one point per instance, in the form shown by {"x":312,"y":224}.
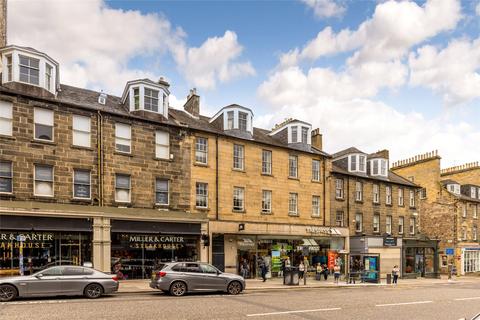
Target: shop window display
{"x":135,"y":256}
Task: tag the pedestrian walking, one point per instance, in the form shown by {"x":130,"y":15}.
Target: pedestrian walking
{"x":263,"y":270}
{"x":325,"y":272}
{"x":395,"y":273}
{"x":318,"y":272}
{"x":336,"y":273}
{"x":301,"y":269}
{"x":245,"y":268}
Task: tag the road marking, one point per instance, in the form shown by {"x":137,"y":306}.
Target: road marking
{"x":402,"y":303}
{"x":471,"y":298}
{"x":288,"y":312}
{"x":34,"y":302}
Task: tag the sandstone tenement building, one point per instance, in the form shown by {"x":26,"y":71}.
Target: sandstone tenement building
{"x":450,"y":205}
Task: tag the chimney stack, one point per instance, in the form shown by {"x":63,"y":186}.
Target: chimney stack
{"x":384,"y":154}
{"x":3,"y":23}
{"x":317,"y":139}
{"x":192,"y":105}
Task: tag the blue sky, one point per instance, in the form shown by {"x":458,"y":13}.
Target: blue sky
{"x":373,"y":74}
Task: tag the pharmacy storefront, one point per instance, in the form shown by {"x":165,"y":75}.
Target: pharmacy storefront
{"x":29,"y":244}
{"x":470,"y":260}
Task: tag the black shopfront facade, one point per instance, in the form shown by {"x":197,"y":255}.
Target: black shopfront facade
{"x":420,"y":258}
{"x":29,"y":244}
{"x":138,"y":247}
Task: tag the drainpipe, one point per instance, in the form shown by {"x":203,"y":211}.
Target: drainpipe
{"x":348,"y":203}
{"x":100,"y":157}
{"x":325,"y":193}
{"x":216,"y":178}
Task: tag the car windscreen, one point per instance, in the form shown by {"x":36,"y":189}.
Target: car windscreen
{"x":160,"y":266}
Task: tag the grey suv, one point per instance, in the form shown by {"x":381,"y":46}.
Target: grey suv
{"x":178,"y":278}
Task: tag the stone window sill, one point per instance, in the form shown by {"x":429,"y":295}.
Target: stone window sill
{"x":162,"y":159}
{"x":6,"y":137}
{"x":82,"y":148}
{"x":238,"y":211}
{"x":50,"y":143}
{"x":294,"y":178}
{"x":202,"y":209}
{"x":238,"y":170}
{"x":266,"y":213}
{"x":123,"y":154}
{"x":267,"y":175}
{"x":199,"y":164}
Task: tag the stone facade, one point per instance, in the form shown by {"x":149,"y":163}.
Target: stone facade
{"x":465,"y":174}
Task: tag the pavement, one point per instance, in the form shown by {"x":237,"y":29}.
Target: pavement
{"x":431,"y":300}
{"x":138,"y":286}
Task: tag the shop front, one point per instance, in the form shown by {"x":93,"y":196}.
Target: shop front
{"x":242,"y":252}
{"x":137,"y":247}
{"x":420,"y":258}
{"x":469,"y":259}
{"x":29,"y":244}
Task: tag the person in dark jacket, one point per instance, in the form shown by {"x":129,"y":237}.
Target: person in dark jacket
{"x":263,"y":270}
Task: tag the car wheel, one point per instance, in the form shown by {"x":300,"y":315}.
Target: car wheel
{"x":93,"y":291}
{"x":178,"y":288}
{"x":234,"y":288}
{"x":7,"y":292}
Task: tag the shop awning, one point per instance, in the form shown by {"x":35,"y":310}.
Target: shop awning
{"x":310,"y":242}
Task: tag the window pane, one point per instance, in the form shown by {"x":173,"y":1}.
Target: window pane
{"x":81,"y":123}
{"x":81,"y":191}
{"x":5,"y":169}
{"x":43,"y":132}
{"x":162,"y":137}
{"x":81,"y":176}
{"x":81,"y":138}
{"x":44,"y":173}
{"x":162,"y":152}
{"x":43,"y":188}
{"x":6,"y":109}
{"x":161,"y":185}
{"x":122,"y":131}
{"x":5,"y":126}
{"x":122,"y":181}
{"x":43,"y":116}
{"x":122,"y":195}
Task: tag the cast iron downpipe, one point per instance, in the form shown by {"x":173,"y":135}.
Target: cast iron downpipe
{"x":100,"y":157}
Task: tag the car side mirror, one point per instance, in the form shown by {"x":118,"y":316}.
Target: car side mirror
{"x":218,"y":272}
{"x":38,"y":276}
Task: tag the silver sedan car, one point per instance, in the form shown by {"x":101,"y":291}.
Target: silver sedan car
{"x":59,"y":281}
{"x":178,"y":278}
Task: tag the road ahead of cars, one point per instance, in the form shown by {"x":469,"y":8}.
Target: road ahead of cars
{"x":437,"y":302}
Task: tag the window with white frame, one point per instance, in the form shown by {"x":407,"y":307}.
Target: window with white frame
{"x":43,"y":181}
{"x":43,"y":119}
{"x":293,"y":166}
{"x":358,"y":191}
{"x":122,"y":188}
{"x":294,"y":134}
{"x":375,"y":167}
{"x":383,"y":167}
{"x":6,"y":118}
{"x":401,"y":221}
{"x":473,"y":192}
{"x":400,"y":197}
{"x":266,"y":201}
{"x":315,"y":206}
{"x":361,"y":163}
{"x":358,"y":222}
{"x":230,"y":116}
{"x":201,"y":150}
{"x":315,"y":170}
{"x":161,"y":191}
{"x":29,"y":69}
{"x":81,"y":131}
{"x":266,"y":162}
{"x":136,"y":98}
{"x":454,"y":188}
{"x":9,"y":68}
{"x":357,"y":163}
{"x":388,"y":224}
{"x":353,"y":163}
{"x":464,"y":233}
{"x":376,"y":223}
{"x":150,"y":100}
{"x":81,"y":184}
{"x":412,"y":198}
{"x":242,"y":121}
{"x":293,"y":204}
{"x":238,"y":199}
{"x":339,"y":188}
{"x":388,"y":195}
{"x":423,"y":193}
{"x":6,"y":177}
{"x":123,"y":137}
{"x":464,"y":210}
{"x":475,"y":210}
{"x":201,"y":190}
{"x":304,"y":134}
{"x":339,"y":219}
{"x":162,"y":145}
{"x":413,"y":221}
{"x":376,"y":193}
{"x":238,"y":157}
{"x":48,"y":76}
{"x":474,"y":233}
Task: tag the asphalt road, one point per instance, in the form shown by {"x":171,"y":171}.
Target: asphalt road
{"x":438,"y":302}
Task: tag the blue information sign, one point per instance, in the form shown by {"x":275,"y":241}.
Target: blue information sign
{"x":449,"y":251}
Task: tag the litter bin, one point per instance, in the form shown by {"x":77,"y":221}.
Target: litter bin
{"x":291,"y":276}
{"x":389,"y":278}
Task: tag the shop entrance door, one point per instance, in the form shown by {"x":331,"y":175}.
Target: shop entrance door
{"x":420,"y":264}
{"x":248,"y":259}
{"x":70,"y":249}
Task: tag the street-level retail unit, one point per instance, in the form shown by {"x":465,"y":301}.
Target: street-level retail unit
{"x":234,"y":243}
{"x":469,"y":255}
{"x":420,"y":257}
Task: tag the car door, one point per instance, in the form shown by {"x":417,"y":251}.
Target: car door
{"x":45,"y":282}
{"x":212,"y":278}
{"x":73,"y":280}
{"x":193,"y":276}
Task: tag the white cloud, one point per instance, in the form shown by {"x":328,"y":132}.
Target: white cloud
{"x":392,"y":30}
{"x":325,"y":8}
{"x":477,"y":9}
{"x":97,"y":46}
{"x":214,"y":61}
{"x":452,"y":71}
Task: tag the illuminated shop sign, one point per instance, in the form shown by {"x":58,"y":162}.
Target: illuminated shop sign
{"x":29,"y":240}
{"x":167,"y":242}
{"x":324,"y":230}
{"x":26,"y":236}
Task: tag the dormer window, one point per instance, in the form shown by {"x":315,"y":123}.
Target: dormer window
{"x":147,"y":95}
{"x":29,"y":70}
{"x":378,"y":167}
{"x":304,"y":135}
{"x":236,"y":118}
{"x":29,"y":66}
{"x":294,"y":134}
{"x":357,"y":162}
{"x":242,"y":121}
{"x":230,"y":120}
{"x":454,"y":188}
{"x":473,"y":192}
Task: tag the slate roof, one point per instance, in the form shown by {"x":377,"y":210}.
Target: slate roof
{"x":88,"y":99}
{"x":346,"y":151}
{"x":448,"y":181}
{"x":392,"y":177}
